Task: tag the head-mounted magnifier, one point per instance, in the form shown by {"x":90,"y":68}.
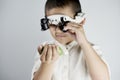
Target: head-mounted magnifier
{"x":60,"y":21}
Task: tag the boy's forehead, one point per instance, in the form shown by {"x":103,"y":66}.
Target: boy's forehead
{"x":63,"y":11}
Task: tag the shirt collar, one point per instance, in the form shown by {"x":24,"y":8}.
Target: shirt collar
{"x":71,"y":44}
{"x":68,"y":46}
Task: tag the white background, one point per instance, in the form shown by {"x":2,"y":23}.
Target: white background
{"x":20,"y":34}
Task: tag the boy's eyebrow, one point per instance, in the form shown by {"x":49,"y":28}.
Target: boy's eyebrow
{"x":55,"y":14}
{"x":59,"y":14}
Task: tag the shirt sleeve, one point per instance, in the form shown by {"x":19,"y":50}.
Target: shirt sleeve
{"x":36,"y":66}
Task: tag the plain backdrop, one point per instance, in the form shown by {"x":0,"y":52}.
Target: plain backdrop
{"x":20,"y":34}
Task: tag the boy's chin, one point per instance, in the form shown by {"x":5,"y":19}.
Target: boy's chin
{"x":64,"y":42}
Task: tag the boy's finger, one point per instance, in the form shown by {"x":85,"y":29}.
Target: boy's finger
{"x":42,"y":58}
{"x":44,"y":52}
{"x":40,"y":49}
{"x":81,"y":23}
{"x":73,"y":27}
{"x":54,"y":52}
{"x":57,"y":50}
{"x":70,"y":29}
{"x":73,"y":24}
{"x":49,"y":53}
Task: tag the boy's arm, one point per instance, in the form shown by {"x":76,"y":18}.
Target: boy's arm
{"x":48,"y":57}
{"x":97,"y":68}
{"x":44,"y":72}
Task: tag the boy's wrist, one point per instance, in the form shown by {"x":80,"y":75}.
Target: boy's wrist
{"x":47,"y":64}
{"x":84,"y":43}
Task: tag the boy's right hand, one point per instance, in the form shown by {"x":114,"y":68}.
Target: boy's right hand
{"x":49,"y":53}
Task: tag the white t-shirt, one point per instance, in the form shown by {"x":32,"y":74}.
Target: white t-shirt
{"x":71,"y":65}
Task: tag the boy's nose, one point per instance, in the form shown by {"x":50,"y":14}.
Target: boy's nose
{"x":58,"y":29}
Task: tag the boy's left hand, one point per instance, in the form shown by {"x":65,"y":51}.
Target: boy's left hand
{"x":77,"y":32}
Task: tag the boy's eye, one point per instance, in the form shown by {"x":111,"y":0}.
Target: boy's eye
{"x":52,"y":25}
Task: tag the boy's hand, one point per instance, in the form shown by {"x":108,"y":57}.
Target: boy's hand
{"x":77,"y":32}
{"x":49,"y":53}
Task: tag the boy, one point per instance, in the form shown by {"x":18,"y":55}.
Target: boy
{"x":83,"y":60}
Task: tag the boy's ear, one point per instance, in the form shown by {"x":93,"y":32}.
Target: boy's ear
{"x":83,"y":21}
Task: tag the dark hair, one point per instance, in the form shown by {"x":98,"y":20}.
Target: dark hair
{"x":74,"y":4}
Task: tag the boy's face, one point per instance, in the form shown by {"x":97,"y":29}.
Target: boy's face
{"x":62,"y":37}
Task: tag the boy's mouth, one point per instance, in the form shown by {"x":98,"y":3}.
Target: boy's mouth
{"x":60,"y":35}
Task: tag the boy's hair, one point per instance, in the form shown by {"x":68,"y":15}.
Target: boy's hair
{"x":74,"y":4}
